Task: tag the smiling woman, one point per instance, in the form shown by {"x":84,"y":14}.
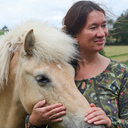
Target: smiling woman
{"x":98,"y":78}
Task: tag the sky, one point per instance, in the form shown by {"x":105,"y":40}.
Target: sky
{"x":13,"y":12}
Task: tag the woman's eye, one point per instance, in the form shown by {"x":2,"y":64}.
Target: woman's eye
{"x":92,"y":28}
{"x":104,"y":25}
{"x":42,"y":80}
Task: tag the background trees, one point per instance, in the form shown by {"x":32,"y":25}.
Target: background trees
{"x":5,"y":28}
{"x":118,"y":34}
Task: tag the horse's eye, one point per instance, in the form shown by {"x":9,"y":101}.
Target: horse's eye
{"x":42,"y":80}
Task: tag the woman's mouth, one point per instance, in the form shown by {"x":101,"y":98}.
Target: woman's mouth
{"x":100,"y":42}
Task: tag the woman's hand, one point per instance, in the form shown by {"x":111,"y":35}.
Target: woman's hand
{"x":97,"y":116}
{"x":45,"y":115}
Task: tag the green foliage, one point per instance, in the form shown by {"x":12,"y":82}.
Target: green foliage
{"x":120,"y":29}
{"x":102,"y":53}
{"x":126,"y":63}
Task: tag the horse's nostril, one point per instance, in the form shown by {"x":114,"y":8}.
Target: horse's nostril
{"x":88,"y":126}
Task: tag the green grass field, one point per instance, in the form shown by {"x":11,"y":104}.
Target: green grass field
{"x":1,"y":32}
{"x":118,"y":53}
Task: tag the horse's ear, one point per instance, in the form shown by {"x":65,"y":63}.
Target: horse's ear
{"x":29,"y":42}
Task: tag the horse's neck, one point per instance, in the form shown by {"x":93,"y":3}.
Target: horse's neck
{"x":16,"y":117}
{"x":10,"y":109}
{"x":13,"y":115}
{"x":6,"y":96}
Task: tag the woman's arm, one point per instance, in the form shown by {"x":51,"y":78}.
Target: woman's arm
{"x":29,"y":125}
{"x":122,"y":121}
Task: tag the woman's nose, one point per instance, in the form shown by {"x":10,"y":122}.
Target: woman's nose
{"x":101,"y":32}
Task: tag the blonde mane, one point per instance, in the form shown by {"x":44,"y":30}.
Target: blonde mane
{"x":51,"y":45}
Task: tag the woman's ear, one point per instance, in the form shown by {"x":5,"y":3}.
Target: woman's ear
{"x":76,"y":39}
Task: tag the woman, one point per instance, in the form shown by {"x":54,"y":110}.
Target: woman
{"x":102,"y":81}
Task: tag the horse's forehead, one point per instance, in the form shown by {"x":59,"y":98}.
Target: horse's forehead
{"x":40,"y":67}
{"x":34,"y":63}
{"x":59,"y":66}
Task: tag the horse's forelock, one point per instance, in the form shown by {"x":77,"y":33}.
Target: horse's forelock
{"x":55,"y":47}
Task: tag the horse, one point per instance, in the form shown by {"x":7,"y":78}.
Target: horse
{"x":34,"y":65}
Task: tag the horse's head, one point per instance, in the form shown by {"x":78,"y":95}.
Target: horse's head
{"x":42,"y":76}
{"x":39,"y":70}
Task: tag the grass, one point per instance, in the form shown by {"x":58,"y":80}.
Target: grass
{"x":118,"y":53}
{"x":1,"y":32}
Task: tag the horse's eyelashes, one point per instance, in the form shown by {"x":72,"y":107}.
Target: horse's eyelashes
{"x":42,"y":80}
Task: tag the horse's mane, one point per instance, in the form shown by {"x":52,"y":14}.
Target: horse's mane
{"x":51,"y":45}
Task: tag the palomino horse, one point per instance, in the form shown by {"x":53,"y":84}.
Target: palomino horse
{"x":34,"y":66}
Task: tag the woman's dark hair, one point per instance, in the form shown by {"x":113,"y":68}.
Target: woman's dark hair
{"x":76,"y":17}
{"x":75,"y":20}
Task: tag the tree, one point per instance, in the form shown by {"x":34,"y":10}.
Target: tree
{"x":110,"y":23}
{"x":120,"y":29}
{"x":5,"y":28}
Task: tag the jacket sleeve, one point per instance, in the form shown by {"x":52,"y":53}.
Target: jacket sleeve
{"x":122,"y":121}
{"x":29,"y":125}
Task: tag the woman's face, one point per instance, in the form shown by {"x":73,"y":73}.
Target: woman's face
{"x":92,"y":37}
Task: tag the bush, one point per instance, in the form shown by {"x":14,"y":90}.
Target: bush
{"x":126,"y":62}
{"x":102,"y":53}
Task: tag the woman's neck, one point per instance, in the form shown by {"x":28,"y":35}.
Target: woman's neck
{"x":91,"y":66}
{"x":90,"y":59}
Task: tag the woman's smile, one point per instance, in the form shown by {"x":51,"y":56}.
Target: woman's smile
{"x":100,"y":42}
